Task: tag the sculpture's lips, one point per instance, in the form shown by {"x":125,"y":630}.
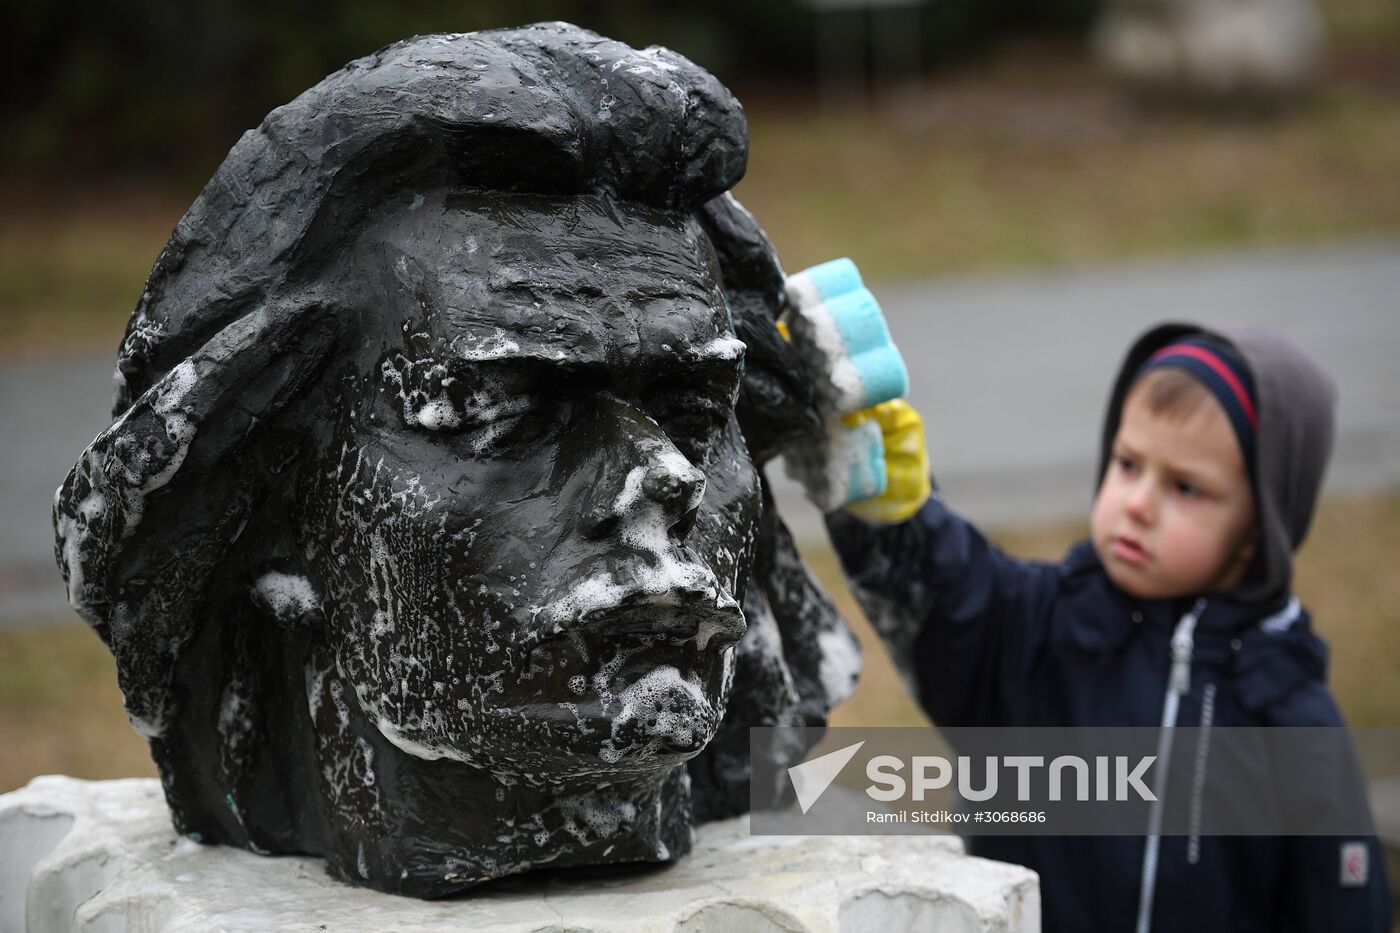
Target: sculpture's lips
{"x":671,"y":616}
{"x":710,"y":627}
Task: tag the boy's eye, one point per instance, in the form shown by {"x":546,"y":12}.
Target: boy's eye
{"x":1189,"y":490}
{"x":1126,"y":464}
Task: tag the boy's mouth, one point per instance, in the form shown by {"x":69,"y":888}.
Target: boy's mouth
{"x":1129,"y":550}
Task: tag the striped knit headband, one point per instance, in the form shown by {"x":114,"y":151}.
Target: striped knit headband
{"x":1225,"y":376}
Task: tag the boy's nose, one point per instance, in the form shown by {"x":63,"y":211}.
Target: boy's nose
{"x":1141,"y":503}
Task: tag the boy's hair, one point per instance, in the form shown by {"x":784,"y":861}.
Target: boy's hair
{"x":1173,"y":393}
{"x":1219,"y":372}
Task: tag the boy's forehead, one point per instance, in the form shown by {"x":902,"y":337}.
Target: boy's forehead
{"x":587,"y":280}
{"x":1200,"y":436}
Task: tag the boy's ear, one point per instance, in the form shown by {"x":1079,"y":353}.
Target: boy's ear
{"x":1247,"y":551}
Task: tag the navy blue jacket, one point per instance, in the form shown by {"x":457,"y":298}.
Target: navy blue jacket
{"x":989,"y":640}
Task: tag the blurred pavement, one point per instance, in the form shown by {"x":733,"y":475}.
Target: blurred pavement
{"x":1010,"y":373}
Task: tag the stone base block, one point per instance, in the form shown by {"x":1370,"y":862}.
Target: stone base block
{"x":101,"y":856}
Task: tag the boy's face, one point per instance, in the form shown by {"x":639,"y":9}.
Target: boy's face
{"x":1175,"y":514}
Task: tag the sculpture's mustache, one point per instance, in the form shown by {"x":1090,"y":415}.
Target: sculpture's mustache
{"x":708,"y":625}
{"x":694,"y":606}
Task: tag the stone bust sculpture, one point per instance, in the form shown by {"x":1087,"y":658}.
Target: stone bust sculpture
{"x":430,"y":535}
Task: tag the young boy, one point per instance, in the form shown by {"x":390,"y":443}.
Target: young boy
{"x":1213,"y":452}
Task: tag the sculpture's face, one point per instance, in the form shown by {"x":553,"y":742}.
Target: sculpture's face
{"x":533,"y":524}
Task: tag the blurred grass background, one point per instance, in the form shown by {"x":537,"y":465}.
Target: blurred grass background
{"x":1025,"y":158}
{"x":60,"y":709}
{"x":1010,"y":151}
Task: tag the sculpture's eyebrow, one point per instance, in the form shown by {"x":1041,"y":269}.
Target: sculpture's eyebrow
{"x":711,"y":375}
{"x":494,"y":348}
{"x":719,"y":351}
{"x":535,"y":359}
{"x":724,"y":349}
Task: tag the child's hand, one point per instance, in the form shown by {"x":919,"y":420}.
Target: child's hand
{"x":907,"y":484}
{"x":872,"y":451}
{"x":872,"y":462}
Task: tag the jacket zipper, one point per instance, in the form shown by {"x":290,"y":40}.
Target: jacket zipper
{"x":1178,"y":685}
{"x":1198,"y":781}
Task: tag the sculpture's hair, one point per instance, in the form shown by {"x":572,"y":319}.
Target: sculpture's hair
{"x":159,"y":522}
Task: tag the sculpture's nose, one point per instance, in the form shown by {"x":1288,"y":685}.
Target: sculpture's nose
{"x":645,"y":480}
{"x":674,"y":483}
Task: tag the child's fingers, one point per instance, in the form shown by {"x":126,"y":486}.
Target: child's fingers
{"x":907,"y":484}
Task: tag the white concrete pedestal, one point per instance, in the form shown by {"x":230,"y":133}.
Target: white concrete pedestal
{"x":101,"y":856}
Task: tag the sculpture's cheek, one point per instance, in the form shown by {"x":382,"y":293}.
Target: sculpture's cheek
{"x":727,"y":524}
{"x":425,"y":606}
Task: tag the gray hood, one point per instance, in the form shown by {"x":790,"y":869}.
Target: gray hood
{"x":1297,"y":404}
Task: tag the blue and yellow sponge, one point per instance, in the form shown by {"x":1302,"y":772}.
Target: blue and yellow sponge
{"x":839,"y":332}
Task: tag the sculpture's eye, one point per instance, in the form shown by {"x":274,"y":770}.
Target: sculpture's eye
{"x":489,"y":407}
{"x":693,"y":413}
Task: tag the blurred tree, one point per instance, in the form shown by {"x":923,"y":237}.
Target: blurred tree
{"x":146,"y":86}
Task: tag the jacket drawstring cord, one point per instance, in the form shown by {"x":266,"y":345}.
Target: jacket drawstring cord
{"x":1198,"y":784}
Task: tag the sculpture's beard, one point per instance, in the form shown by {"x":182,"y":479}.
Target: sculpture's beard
{"x":647,"y":687}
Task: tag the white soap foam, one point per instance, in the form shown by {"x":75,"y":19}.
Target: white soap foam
{"x":723,"y":348}
{"x":800,"y":289}
{"x":425,"y":400}
{"x":437,"y":414}
{"x":602,"y":678}
{"x":314,"y":681}
{"x":146,"y":728}
{"x":602,"y":815}
{"x":839,"y":668}
{"x":289,"y":596}
{"x":170,"y":393}
{"x":165,"y":399}
{"x":818,"y":338}
{"x":411,"y":746}
{"x":72,"y":533}
{"x":485,"y":348}
{"x":235,"y":716}
{"x":821,"y":464}
{"x":652,"y":698}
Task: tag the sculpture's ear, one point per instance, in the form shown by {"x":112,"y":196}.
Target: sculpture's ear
{"x":776,"y":404}
{"x":157,"y":501}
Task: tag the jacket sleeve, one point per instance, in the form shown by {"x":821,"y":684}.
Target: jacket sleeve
{"x":1335,"y":883}
{"x":1329,"y":882}
{"x":962,"y":621}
